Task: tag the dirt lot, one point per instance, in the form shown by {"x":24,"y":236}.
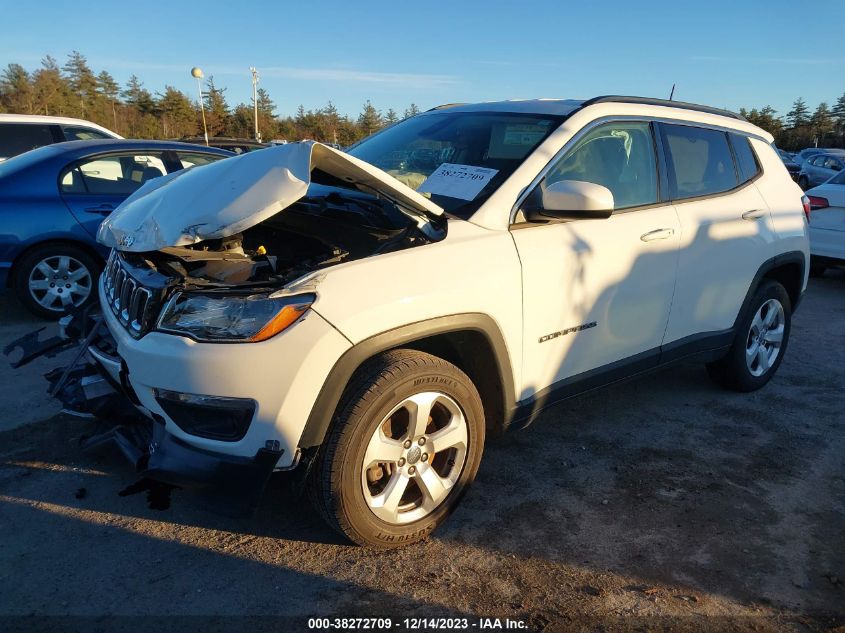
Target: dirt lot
{"x":660,"y":503}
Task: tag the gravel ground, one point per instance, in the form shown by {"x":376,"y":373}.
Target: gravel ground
{"x":660,"y":503}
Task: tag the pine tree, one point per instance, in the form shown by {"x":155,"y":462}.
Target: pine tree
{"x":216,"y":109}
{"x":370,"y":119}
{"x":136,"y":95}
{"x":109,"y":92}
{"x":412,"y":110}
{"x":329,"y":123}
{"x":178,"y":115}
{"x":50,"y":88}
{"x":822,"y":123}
{"x":16,"y":90}
{"x":391,"y":117}
{"x":764,"y":118}
{"x":82,"y":82}
{"x":799,"y":115}
{"x":838,"y":114}
{"x":838,"y":111}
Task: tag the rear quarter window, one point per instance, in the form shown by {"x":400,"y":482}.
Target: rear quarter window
{"x":700,"y":161}
{"x":746,"y":159}
{"x":17,"y":138}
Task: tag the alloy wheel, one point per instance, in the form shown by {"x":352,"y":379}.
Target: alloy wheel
{"x":414,"y":457}
{"x":765,"y":337}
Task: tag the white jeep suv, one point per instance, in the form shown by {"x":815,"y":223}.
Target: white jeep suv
{"x":367,"y":317}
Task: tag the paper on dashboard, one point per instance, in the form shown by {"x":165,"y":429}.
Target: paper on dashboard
{"x":457,"y":181}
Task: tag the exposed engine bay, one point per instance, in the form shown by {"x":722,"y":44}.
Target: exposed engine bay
{"x":331,"y":225}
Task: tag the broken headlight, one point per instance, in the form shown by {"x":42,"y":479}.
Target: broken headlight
{"x":231,"y":318}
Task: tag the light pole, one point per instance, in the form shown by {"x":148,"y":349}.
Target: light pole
{"x":196,"y":73}
{"x":255,"y":100}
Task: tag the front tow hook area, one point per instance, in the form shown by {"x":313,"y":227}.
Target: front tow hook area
{"x":95,"y":385}
{"x":85,"y":386}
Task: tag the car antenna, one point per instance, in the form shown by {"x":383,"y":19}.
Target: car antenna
{"x":672,"y":93}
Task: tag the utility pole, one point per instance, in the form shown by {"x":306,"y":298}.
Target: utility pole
{"x":196,"y":72}
{"x":255,"y":100}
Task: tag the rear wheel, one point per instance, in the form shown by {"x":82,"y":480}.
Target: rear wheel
{"x":405,"y":444}
{"x":760,"y":342}
{"x":54,"y":278}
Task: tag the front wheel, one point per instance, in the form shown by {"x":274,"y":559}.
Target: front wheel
{"x":760,"y":341}
{"x":405,"y":444}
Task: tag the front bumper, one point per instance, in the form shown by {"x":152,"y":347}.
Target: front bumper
{"x":233,"y":485}
{"x":282,"y":375}
{"x":96,"y":385}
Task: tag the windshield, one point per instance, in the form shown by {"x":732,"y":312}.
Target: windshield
{"x":838,"y":179}
{"x":456,"y":158}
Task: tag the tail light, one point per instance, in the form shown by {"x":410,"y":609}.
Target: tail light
{"x":818,"y":203}
{"x":805,"y":202}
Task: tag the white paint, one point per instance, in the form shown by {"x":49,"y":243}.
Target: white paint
{"x":229,"y":196}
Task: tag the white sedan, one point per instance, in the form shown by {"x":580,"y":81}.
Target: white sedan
{"x":827,"y":224}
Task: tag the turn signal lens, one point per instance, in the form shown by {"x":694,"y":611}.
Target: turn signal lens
{"x":285,"y":318}
{"x":805,"y":202}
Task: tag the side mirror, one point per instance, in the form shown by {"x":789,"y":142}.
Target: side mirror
{"x":572,"y":200}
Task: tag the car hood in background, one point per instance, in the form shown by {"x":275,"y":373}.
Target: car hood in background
{"x":229,"y":196}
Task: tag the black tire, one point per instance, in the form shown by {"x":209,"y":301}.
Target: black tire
{"x":803,"y":183}
{"x":732,"y":371}
{"x":337,"y":479}
{"x":25,"y":266}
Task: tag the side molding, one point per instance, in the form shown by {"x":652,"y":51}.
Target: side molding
{"x":324,"y":408}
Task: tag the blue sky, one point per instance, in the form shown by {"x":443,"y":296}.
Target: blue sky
{"x":726,"y":54}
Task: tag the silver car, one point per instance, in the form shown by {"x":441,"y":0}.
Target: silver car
{"x":821,"y":168}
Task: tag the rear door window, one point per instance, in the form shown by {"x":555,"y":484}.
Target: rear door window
{"x":118,"y":175}
{"x":78,"y":133}
{"x":700,"y":161}
{"x":17,"y":138}
{"x":190,"y":159}
{"x":833,"y":163}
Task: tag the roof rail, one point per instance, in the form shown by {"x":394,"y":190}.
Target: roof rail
{"x":662,"y":102}
{"x":443,"y":106}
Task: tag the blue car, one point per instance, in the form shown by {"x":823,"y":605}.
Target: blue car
{"x":52,"y":200}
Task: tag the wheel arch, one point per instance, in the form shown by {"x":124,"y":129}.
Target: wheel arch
{"x":69,"y":241}
{"x":789,"y":269}
{"x":473,"y":342}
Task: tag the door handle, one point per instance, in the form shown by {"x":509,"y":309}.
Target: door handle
{"x":103,"y":209}
{"x":754,"y":214}
{"x":657,"y":234}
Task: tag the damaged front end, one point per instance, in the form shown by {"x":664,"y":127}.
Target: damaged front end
{"x":231,"y":252}
{"x":94,"y":385}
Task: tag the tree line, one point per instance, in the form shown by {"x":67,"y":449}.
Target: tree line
{"x":800,"y":128}
{"x":75,"y":90}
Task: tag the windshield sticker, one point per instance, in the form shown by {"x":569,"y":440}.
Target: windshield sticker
{"x":523,"y":135}
{"x":457,"y":181}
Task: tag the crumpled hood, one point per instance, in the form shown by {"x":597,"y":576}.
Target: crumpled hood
{"x":231,"y":195}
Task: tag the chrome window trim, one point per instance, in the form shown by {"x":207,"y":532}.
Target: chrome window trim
{"x":628,"y":118}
